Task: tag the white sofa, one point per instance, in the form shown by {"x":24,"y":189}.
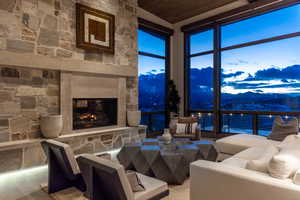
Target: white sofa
{"x":229,"y":146}
{"x":231,"y":180}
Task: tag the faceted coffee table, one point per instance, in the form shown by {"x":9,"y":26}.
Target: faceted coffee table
{"x":167,"y":162}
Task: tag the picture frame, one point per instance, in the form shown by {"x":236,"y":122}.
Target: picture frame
{"x":95,"y":29}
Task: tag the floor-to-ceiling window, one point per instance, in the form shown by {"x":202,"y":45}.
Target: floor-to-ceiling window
{"x":201,"y":76}
{"x":153,"y":76}
{"x":257,"y":68}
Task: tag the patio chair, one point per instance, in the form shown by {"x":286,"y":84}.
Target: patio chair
{"x":185,"y":127}
{"x":63,"y":170}
{"x":107,"y":179}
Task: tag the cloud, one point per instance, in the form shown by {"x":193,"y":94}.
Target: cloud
{"x":233,"y":63}
{"x":238,"y":73}
{"x":273,"y":80}
{"x":202,"y":76}
{"x":273,"y":77}
{"x":249,"y":78}
{"x":241,"y":85}
{"x":291,"y":72}
{"x":243,"y":61}
{"x":289,"y":85}
{"x":238,"y":62}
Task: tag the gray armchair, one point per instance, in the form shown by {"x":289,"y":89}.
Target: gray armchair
{"x":107,"y":179}
{"x":63,"y":170}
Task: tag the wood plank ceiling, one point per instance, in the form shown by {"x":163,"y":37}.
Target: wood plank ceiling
{"x":174,"y":11}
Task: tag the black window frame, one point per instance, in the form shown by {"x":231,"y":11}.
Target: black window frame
{"x":215,"y":23}
{"x":165,"y":34}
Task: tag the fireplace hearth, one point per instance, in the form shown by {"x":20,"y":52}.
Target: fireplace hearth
{"x":93,"y":113}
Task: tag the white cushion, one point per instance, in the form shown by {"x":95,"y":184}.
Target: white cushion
{"x":285,"y":163}
{"x":181,"y":128}
{"x":235,"y":162}
{"x":152,"y":186}
{"x":251,"y":153}
{"x":261,"y":164}
{"x":135,"y":183}
{"x":237,"y":143}
{"x":223,"y":156}
{"x":291,"y":141}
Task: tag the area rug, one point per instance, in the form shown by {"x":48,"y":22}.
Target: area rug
{"x":67,"y":194}
{"x":177,"y":192}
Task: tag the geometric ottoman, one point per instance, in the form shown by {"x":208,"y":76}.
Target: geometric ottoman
{"x":167,"y":162}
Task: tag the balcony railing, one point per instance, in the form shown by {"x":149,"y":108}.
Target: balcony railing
{"x":154,"y":120}
{"x":237,"y":122}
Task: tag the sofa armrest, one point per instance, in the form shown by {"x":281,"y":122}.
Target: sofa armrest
{"x":214,"y":181}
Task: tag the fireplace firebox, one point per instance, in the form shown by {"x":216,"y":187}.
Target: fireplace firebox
{"x":92,"y":113}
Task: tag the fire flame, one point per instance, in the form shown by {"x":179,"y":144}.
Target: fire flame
{"x":88,"y":116}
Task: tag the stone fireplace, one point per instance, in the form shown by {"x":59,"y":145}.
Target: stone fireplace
{"x":99,"y":102}
{"x":93,"y":113}
{"x":42,"y":72}
{"x":40,"y":63}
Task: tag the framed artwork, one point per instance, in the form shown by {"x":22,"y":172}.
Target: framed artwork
{"x":95,"y":29}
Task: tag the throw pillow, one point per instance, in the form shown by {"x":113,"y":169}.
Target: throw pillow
{"x":281,"y":129}
{"x":291,"y":141}
{"x":261,"y":164}
{"x":285,"y":163}
{"x":182,"y":128}
{"x":106,"y":156}
{"x":134,"y":181}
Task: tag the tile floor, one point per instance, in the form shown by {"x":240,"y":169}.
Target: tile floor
{"x":26,"y":185}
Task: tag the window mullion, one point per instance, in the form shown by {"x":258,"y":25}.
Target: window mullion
{"x":217,"y":79}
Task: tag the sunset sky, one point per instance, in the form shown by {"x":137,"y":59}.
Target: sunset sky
{"x":270,"y":56}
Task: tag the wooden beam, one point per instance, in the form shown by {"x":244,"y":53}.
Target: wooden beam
{"x":64,"y":64}
{"x":155,"y":27}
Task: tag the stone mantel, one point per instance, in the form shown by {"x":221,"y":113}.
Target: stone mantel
{"x":28,"y":60}
{"x":31,"y":142}
{"x":25,"y":154}
{"x":78,"y":85}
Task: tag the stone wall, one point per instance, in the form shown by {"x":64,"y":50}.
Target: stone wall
{"x":26,"y":94}
{"x":30,"y":154}
{"x":47,"y":28}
